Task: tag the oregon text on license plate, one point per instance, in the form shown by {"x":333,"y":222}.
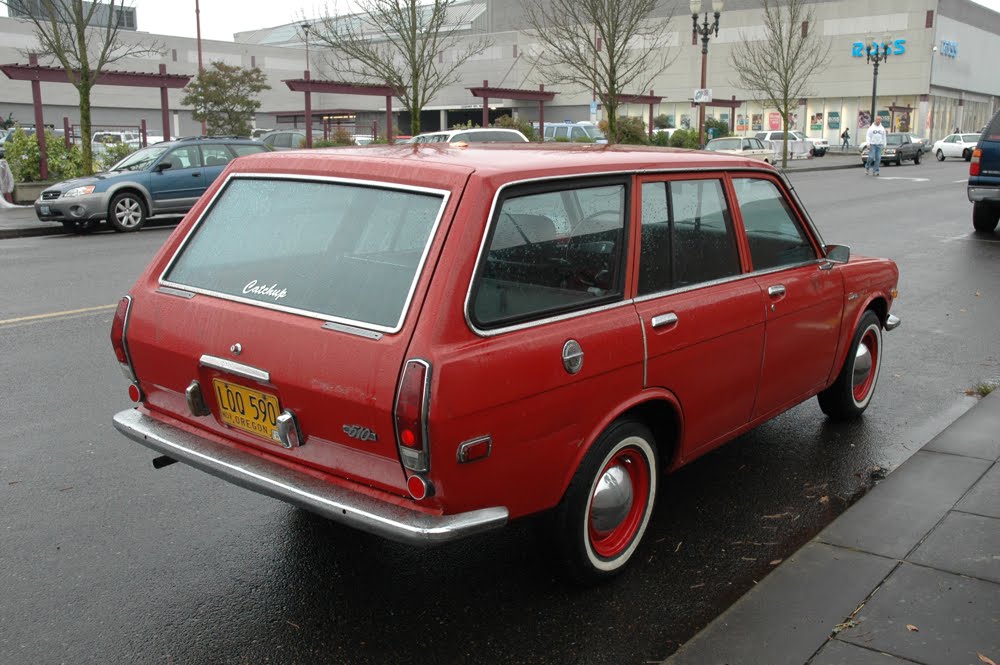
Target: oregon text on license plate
{"x":246,"y":409}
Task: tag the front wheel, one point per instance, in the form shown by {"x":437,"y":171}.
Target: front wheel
{"x":940,"y":155}
{"x":851,"y":393}
{"x":127,"y":212}
{"x":916,"y":159}
{"x":606,"y":508}
{"x":985,"y":216}
{"x":967,"y":155}
{"x":899,"y":160}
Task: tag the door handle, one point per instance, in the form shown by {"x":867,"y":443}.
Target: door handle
{"x":196,"y":174}
{"x":668,"y":319}
{"x":776,"y":291}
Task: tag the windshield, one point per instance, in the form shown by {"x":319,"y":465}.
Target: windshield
{"x":139,"y":160}
{"x":593,"y":131}
{"x":894,"y":139}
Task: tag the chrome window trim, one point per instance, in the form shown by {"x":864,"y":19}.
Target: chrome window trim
{"x":445,"y":198}
{"x":170,"y":291}
{"x":576,"y":176}
{"x":726,"y":280}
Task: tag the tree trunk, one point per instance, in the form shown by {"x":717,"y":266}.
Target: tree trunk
{"x":85,"y":133}
{"x":415,"y":121}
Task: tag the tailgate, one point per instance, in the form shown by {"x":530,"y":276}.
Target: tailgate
{"x":292,"y":296}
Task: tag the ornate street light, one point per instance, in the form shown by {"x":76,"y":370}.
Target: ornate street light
{"x":876,"y":54}
{"x":705,"y":30}
{"x":305,"y":29}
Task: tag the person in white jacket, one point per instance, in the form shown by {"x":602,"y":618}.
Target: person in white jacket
{"x":876,"y":142}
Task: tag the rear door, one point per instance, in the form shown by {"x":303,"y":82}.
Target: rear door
{"x":214,"y":156}
{"x":292,"y":295}
{"x":702,"y":317}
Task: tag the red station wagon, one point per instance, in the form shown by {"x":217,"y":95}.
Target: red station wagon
{"x":425,"y":342}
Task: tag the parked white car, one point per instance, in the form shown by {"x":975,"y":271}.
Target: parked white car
{"x":746,"y":147}
{"x":956,"y":145}
{"x":797,"y":142}
{"x":477,"y":135}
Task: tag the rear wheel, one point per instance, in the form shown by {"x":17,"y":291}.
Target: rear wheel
{"x":127,"y":212}
{"x":606,"y":508}
{"x":851,"y":393}
{"x":940,"y":155}
{"x":985,"y":216}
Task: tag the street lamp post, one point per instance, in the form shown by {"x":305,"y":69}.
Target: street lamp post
{"x":875,"y":55}
{"x":201,"y":68}
{"x":705,"y":30}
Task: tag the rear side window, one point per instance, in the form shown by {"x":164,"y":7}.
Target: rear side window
{"x":552,"y":252}
{"x":344,"y":252}
{"x":992,"y":132}
{"x":215,"y":155}
{"x":242,"y":149}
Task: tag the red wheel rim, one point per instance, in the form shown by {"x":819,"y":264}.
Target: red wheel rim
{"x":861,"y":389}
{"x":611,"y":544}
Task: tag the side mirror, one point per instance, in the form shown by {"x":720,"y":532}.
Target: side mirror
{"x":838,"y":253}
{"x":162,"y":166}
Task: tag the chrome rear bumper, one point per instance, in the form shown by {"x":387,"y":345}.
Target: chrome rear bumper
{"x":331,"y":501}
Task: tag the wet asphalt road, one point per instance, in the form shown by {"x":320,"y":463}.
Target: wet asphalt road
{"x":105,"y":560}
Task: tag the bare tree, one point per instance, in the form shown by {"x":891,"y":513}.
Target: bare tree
{"x":411,"y":46}
{"x":610,"y":46}
{"x":84,"y":39}
{"x":777,"y":68}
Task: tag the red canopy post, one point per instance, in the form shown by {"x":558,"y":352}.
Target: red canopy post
{"x":388,"y":118}
{"x":486,"y":106}
{"x":36,"y":100}
{"x":541,"y":114}
{"x":67,"y":139}
{"x":165,"y":107}
{"x":143,"y":134}
{"x":650,"y":127}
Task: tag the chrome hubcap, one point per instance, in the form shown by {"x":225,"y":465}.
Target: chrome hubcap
{"x":128,"y":212}
{"x":612,"y":500}
{"x":862,"y":365}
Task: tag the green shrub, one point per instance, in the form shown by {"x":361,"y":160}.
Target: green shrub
{"x":661,"y":139}
{"x":24,"y":157}
{"x":631,"y":131}
{"x":685,"y":138}
{"x":523,"y":126}
{"x":662,"y":122}
{"x":721,"y":128}
{"x":112,"y":154}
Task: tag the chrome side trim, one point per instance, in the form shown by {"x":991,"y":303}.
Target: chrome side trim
{"x":166,"y":290}
{"x":239,"y":369}
{"x":443,"y":193}
{"x":892,"y":322}
{"x":352,"y":330}
{"x":334,"y":502}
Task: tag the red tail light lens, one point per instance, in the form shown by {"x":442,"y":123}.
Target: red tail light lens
{"x":118,"y":327}
{"x":411,"y":415}
{"x":974,"y":166}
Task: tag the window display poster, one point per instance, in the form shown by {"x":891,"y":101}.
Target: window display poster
{"x":774,"y":120}
{"x":685,"y":121}
{"x":724,"y":117}
{"x":864,"y":119}
{"x":833,"y":120}
{"x":741,"y":123}
{"x":816,"y":121}
{"x":671,"y":120}
{"x":757,"y":124}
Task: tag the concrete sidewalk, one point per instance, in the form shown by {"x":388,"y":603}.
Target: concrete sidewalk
{"x":909,"y":575}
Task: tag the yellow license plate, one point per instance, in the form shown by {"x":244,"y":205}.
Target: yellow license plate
{"x":249,"y":410}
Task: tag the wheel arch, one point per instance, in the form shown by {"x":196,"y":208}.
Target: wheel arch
{"x":131,"y":188}
{"x":657,"y":409}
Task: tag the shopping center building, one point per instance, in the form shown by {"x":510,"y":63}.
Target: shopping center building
{"x":938,"y":76}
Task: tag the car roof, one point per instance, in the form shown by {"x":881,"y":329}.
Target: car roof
{"x":206,"y":139}
{"x":439,"y":163}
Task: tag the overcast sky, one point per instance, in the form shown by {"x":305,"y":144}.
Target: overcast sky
{"x":221,"y":18}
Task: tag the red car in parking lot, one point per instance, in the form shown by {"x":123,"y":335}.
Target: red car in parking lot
{"x":427,"y":341}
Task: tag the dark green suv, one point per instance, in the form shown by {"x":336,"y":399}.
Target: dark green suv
{"x":984,"y":178}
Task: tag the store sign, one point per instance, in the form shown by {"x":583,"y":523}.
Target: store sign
{"x":896,"y":47}
{"x":833,"y":120}
{"x":949,"y":49}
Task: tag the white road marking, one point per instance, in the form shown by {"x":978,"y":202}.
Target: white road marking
{"x":959,"y":182}
{"x":890,"y":177}
{"x":54,"y":315}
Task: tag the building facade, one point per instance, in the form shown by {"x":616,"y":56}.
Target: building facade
{"x":936,"y":79}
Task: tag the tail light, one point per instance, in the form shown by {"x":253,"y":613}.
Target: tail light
{"x":119,"y":327}
{"x":411,"y":415}
{"x":974,"y":166}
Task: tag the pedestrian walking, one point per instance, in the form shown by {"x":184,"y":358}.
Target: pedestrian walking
{"x":876,"y":141}
{"x":846,"y":136}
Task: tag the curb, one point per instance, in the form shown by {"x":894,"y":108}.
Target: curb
{"x":31,"y":231}
{"x":808,"y":169}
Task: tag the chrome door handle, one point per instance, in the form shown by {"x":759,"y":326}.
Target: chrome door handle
{"x":668,"y":319}
{"x":776,"y":290}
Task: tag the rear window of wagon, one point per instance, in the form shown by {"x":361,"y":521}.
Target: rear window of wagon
{"x":340,"y":251}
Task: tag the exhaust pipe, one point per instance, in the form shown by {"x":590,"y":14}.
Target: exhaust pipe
{"x":162,"y":461}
